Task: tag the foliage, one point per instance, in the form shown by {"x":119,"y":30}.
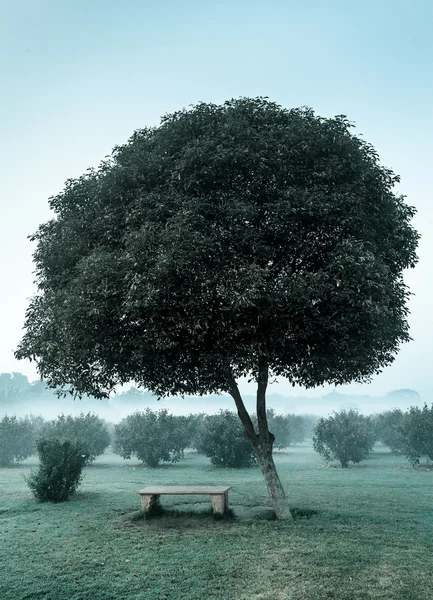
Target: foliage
{"x":89,"y":430}
{"x":346,"y":436}
{"x":225,"y":230}
{"x":60,"y":470}
{"x":192,"y":425}
{"x":196,"y":426}
{"x":417,"y":431}
{"x":297,"y":428}
{"x":223,"y":441}
{"x":12,"y":386}
{"x":153,"y":437}
{"x":388,"y":428}
{"x":16,"y":440}
{"x":287,"y":429}
{"x":15,"y":387}
{"x":135,"y":397}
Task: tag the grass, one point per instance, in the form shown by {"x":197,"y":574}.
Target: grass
{"x":359,"y":533}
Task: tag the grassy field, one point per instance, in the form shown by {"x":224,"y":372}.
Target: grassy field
{"x":363,"y":532}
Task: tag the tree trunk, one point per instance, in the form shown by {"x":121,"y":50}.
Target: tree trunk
{"x":273,"y":483}
{"x":263,"y":441}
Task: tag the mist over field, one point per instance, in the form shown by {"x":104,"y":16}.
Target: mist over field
{"x":35,"y":398}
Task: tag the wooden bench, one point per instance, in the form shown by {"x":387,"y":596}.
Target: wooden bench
{"x":219,"y":495}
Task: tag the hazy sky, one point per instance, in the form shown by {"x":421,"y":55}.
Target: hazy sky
{"x":78,"y":77}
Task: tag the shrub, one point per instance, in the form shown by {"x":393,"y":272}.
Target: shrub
{"x":59,"y":472}
{"x":284,"y":427}
{"x":223,"y":441}
{"x":345,"y":436}
{"x":153,"y":437}
{"x":89,"y":430}
{"x":417,"y":431}
{"x":16,"y":440}
{"x":388,"y":429}
{"x":194,"y":424}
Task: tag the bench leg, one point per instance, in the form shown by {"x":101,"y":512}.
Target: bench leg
{"x":149,"y":501}
{"x":219,"y":503}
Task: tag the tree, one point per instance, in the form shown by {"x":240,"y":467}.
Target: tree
{"x":280,"y":427}
{"x":308,"y":423}
{"x":417,"y":432}
{"x":153,"y":437}
{"x":236,"y":240}
{"x":346,"y":436}
{"x":16,"y":440}
{"x":388,"y":428}
{"x":13,"y":387}
{"x":194,"y":427}
{"x":287,"y":429}
{"x":404,"y":393}
{"x":89,"y":430}
{"x":223,"y":441}
{"x":60,"y":470}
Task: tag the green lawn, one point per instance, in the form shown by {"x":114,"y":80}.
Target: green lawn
{"x":363,"y":532}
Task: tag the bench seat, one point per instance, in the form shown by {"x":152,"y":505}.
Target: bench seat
{"x":218,"y":493}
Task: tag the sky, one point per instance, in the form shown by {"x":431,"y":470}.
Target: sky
{"x":79,"y":77}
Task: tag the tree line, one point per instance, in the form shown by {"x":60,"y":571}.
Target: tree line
{"x":158,"y":436}
{"x":152,"y":436}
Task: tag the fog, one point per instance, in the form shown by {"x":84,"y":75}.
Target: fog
{"x":20,"y":397}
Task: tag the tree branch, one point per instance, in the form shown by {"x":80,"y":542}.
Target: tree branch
{"x":262,"y":384}
{"x":242,"y":411}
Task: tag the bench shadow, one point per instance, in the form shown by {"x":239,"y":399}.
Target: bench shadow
{"x":187,"y":518}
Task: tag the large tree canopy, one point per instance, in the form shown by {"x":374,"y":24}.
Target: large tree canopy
{"x":235,"y":240}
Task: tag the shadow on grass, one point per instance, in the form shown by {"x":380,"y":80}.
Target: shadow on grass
{"x":173,"y":515}
{"x":158,"y":512}
{"x":303,"y":513}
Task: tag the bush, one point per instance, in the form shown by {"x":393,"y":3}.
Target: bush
{"x":153,"y":437}
{"x":223,"y":441}
{"x":417,"y":431}
{"x":194,"y":424}
{"x":388,"y":428}
{"x":287,"y":429}
{"x":59,"y":473}
{"x":16,"y":440}
{"x":89,"y":430}
{"x":346,"y":437}
{"x":278,"y":425}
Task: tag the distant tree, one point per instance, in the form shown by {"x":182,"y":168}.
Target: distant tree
{"x":404,"y":393}
{"x":296,"y":428}
{"x":89,"y":430}
{"x":388,"y":427}
{"x":13,"y":387}
{"x":153,"y":437}
{"x":287,"y":429}
{"x":308,"y":423}
{"x":16,"y":440}
{"x":346,"y":436}
{"x":196,"y":425}
{"x":417,"y":431}
{"x":223,"y":441}
{"x":281,"y":428}
{"x":136,"y":397}
{"x":236,"y":240}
